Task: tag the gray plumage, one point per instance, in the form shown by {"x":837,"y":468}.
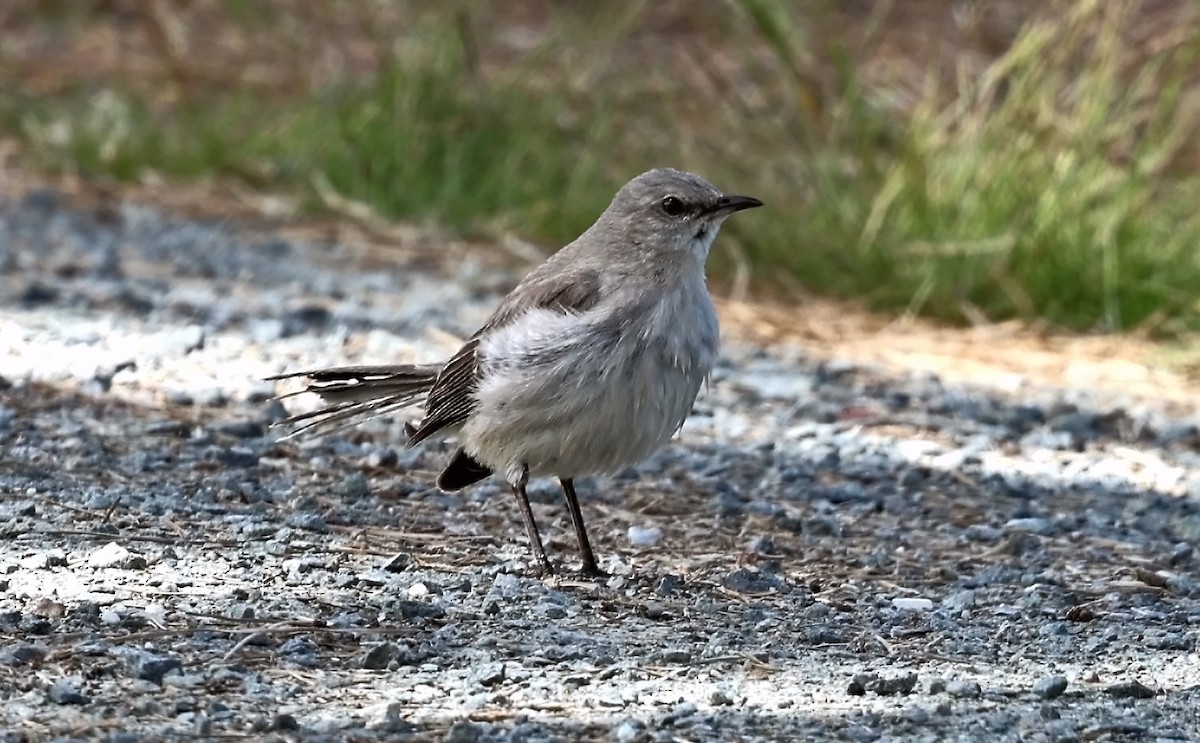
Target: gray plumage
{"x":588,"y":366}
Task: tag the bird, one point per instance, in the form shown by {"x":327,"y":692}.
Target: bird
{"x":589,"y":365}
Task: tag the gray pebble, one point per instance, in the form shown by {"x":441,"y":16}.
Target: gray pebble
{"x":719,"y":699}
{"x":154,"y":669}
{"x":382,"y":457}
{"x":110,"y":555}
{"x":1050,"y":687}
{"x":22,"y":654}
{"x":964,"y":689}
{"x":308,"y":521}
{"x":487,"y":674}
{"x":629,"y":731}
{"x":233,"y":456}
{"x":668,"y":585}
{"x":890,"y":686}
{"x":1043,"y":527}
{"x":284,"y":722}
{"x":400,"y":562}
{"x":464,"y":731}
{"x":676,"y":656}
{"x":1130,"y":690}
{"x":379,"y":656}
{"x":679,"y":712}
{"x":54,"y":558}
{"x":389,"y":718}
{"x":751,"y":581}
{"x":352,"y":487}
{"x":916,"y":714}
{"x":65,"y":692}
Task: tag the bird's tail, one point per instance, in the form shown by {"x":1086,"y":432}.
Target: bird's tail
{"x":354,"y":394}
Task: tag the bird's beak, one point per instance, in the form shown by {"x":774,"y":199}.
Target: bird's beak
{"x":731,"y":204}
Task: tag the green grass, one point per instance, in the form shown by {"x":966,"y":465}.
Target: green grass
{"x":1055,"y":188}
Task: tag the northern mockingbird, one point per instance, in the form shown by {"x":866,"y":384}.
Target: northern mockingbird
{"x":587,"y":367}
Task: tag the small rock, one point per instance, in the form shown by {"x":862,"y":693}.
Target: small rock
{"x":389,"y":718}
{"x":1041,"y":527}
{"x":284,"y":722}
{"x":964,"y":689}
{"x":417,"y":590}
{"x":44,"y":560}
{"x":378,"y":657}
{"x":1079,"y":424}
{"x":1181,"y":554}
{"x":751,"y":581}
{"x":487,"y":674}
{"x":23,"y":654}
{"x":180,"y":397}
{"x":399,"y":563}
{"x":983,"y":533}
{"x":719,"y":699}
{"x":858,"y":685}
{"x":668,"y":584}
{"x":1130,"y":690}
{"x":916,"y":714}
{"x":628,"y":731}
{"x":244,"y":612}
{"x":676,"y":656}
{"x":912,"y":604}
{"x":65,"y":692}
{"x":110,"y":555}
{"x":309,"y":521}
{"x":352,"y":487}
{"x":885,"y":687}
{"x":678,"y":712}
{"x":644,"y":536}
{"x":1050,"y":687}
{"x":464,"y":731}
{"x":383,"y":457}
{"x":37,"y":293}
{"x":154,"y":669}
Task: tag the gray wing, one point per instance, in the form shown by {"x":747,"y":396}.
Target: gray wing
{"x":452,"y":397}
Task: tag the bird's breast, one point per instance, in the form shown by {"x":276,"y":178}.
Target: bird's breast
{"x":599,"y":397}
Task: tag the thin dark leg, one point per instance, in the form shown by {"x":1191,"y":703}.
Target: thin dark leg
{"x":531,"y":530}
{"x":585,"y":546}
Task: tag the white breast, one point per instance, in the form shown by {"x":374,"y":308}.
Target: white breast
{"x":573,"y":394}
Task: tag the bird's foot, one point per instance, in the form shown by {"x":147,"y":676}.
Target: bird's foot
{"x":592,"y":570}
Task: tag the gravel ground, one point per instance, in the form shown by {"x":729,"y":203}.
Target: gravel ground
{"x":828,"y":551}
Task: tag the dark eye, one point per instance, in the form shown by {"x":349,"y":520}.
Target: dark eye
{"x":672,"y":206}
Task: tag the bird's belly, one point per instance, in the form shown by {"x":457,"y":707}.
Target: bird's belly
{"x":591,"y":411}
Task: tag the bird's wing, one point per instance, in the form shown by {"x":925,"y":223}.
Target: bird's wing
{"x":452,"y":397}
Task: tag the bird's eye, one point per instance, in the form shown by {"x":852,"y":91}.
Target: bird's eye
{"x":673,"y":206}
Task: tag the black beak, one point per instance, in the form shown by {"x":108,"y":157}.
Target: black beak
{"x":731,"y":204}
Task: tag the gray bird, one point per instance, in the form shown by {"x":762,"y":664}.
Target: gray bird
{"x":587,"y":367}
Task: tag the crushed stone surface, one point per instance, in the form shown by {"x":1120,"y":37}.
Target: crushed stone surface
{"x":827,"y":551}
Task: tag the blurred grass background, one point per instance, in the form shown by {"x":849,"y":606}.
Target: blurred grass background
{"x":965,"y":160}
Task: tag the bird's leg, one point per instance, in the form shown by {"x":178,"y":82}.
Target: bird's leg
{"x":531,"y":530}
{"x":590,"y":567}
